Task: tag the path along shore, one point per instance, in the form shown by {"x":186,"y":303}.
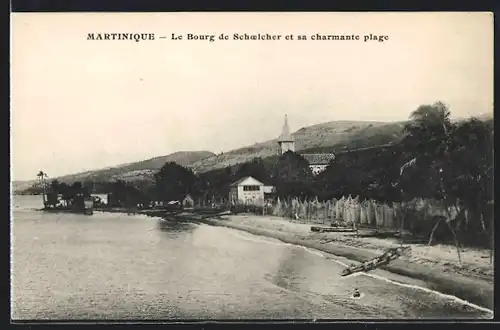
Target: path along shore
{"x":432,"y":267}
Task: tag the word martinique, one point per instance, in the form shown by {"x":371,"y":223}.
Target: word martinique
{"x":236,"y":36}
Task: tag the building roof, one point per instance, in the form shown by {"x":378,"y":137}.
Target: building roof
{"x":285,"y":135}
{"x":319,"y":159}
{"x":253,"y":182}
{"x":269,"y":189}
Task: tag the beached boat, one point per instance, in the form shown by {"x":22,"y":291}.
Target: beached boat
{"x":388,"y":256}
{"x":333,"y":229}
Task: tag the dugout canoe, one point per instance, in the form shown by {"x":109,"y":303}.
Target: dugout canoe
{"x":368,"y":265}
{"x":333,"y":229}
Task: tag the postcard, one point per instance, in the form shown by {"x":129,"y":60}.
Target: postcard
{"x":240,"y":166}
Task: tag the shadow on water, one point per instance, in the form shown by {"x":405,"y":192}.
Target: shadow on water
{"x":170,"y":225}
{"x":289,"y":273}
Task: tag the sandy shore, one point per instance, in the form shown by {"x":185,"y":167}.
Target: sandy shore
{"x":432,"y":267}
{"x":435,"y":267}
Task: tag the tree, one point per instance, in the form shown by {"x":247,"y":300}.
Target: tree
{"x":118,"y":193}
{"x":468,"y":174}
{"x":215,"y":183}
{"x":76,"y":193}
{"x":53,"y":194}
{"x":55,"y":186}
{"x":457,"y":158}
{"x":426,"y":142}
{"x":292,"y":176}
{"x":428,"y":131}
{"x":89,"y":186}
{"x":42,"y":176}
{"x":174,"y":181}
{"x":78,"y":189}
{"x":65,"y":192}
{"x":255,"y":169}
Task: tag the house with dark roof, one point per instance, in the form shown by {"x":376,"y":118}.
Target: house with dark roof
{"x":317,"y":162}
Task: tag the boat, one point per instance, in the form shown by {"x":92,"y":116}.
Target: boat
{"x":333,"y":229}
{"x":368,"y":265}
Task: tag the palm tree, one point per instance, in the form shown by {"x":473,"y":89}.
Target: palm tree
{"x":42,"y":176}
{"x":429,"y":134}
{"x":461,"y":155}
{"x":470,"y":173}
{"x":436,"y":113}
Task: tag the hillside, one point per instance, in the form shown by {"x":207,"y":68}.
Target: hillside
{"x":334,"y":136}
{"x":139,"y":170}
{"x":18,"y":186}
{"x":142,"y":170}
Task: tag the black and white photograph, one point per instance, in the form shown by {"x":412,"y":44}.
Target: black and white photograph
{"x":236,"y":166}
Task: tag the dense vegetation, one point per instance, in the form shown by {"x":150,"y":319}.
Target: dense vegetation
{"x":462,"y":151}
{"x":443,"y":160}
{"x":333,"y":136}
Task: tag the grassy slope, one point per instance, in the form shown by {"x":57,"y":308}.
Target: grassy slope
{"x":142,"y":169}
{"x":336,"y":136}
{"x":22,"y":185}
{"x":331,"y":136}
{"x":132,"y":171}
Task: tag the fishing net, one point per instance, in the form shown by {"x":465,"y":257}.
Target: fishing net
{"x":277,"y":208}
{"x":363,"y":216}
{"x":379,"y":214}
{"x":389,"y":221}
{"x":303,"y":210}
{"x":370,"y":213}
{"x":339,"y":208}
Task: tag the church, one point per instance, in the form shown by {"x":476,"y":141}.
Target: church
{"x":317,"y":162}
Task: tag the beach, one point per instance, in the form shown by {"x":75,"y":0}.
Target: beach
{"x":435,"y":267}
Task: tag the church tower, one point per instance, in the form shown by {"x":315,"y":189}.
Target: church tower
{"x":285,"y":141}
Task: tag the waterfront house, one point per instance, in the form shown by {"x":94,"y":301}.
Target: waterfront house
{"x":246,"y":190}
{"x":188,"y":202}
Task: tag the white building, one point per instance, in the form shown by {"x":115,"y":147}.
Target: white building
{"x":246,"y":191}
{"x":317,"y":162}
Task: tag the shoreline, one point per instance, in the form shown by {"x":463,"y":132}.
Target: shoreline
{"x":444,"y":279}
{"x":471,"y":289}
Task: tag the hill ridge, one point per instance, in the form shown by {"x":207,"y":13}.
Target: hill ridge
{"x":332,"y":136}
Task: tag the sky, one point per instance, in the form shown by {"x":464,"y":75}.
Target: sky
{"x":79,"y":104}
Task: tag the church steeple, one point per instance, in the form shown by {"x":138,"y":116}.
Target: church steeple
{"x":286,"y":141}
{"x":285,"y":133}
